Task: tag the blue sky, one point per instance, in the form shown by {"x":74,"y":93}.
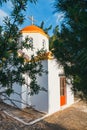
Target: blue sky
{"x":42,"y":11}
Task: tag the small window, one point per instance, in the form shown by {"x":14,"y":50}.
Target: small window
{"x":30,"y":40}
{"x":62,"y":86}
{"x":44,"y":43}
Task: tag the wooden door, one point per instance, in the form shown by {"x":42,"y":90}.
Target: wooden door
{"x":62,"y":91}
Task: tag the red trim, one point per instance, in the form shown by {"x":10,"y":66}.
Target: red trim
{"x":63,"y":97}
{"x":62,"y":100}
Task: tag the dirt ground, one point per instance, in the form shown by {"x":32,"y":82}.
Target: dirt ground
{"x":72,"y":118}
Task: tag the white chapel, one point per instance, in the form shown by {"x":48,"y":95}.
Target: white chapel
{"x":58,"y":93}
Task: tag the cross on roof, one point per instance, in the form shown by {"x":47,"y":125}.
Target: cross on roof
{"x":32,"y":20}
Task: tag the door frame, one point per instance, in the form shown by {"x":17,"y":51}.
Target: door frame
{"x":62,"y":90}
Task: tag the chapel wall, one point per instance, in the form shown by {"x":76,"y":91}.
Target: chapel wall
{"x":40,"y":101}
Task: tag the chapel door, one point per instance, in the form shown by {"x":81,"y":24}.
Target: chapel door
{"x":62,"y":91}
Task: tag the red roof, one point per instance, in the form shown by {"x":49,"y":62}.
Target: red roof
{"x":33,"y":29}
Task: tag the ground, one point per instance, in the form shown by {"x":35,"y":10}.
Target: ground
{"x":72,"y":118}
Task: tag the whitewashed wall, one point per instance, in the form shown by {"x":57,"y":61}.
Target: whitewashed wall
{"x":40,"y":101}
{"x":54,"y":86}
{"x":70,"y":94}
{"x":15,"y":98}
{"x":50,"y":102}
{"x":37,"y":42}
{"x":20,"y":97}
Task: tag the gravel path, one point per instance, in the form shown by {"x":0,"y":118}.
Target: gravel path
{"x":72,"y":118}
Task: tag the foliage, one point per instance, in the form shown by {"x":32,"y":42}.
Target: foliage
{"x":46,"y":30}
{"x":53,"y":37}
{"x":12,"y":66}
{"x":70,"y":45}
